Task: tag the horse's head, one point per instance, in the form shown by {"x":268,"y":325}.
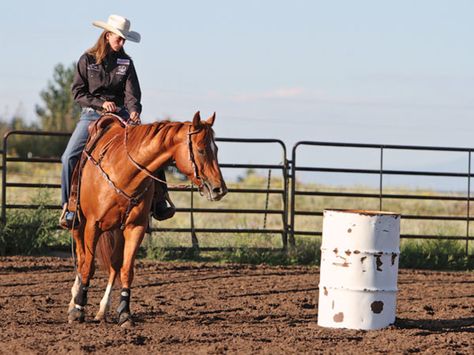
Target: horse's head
{"x":197,"y":158}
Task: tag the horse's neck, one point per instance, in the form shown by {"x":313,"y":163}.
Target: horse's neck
{"x":154,"y":145}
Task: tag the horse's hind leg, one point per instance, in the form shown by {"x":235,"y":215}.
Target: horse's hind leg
{"x":80,"y":259}
{"x":133,"y":238}
{"x":114,"y":269}
{"x":86,"y":271}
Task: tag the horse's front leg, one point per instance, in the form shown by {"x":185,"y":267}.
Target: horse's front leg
{"x":133,"y":236}
{"x":74,"y":291}
{"x":104,"y":305}
{"x":86,"y":271}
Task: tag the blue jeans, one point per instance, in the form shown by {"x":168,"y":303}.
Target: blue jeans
{"x":74,"y":148}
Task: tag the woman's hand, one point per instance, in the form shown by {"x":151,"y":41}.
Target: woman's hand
{"x":109,"y":106}
{"x":135,"y":117}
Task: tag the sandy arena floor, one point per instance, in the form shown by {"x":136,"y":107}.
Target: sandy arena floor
{"x":213,"y":308}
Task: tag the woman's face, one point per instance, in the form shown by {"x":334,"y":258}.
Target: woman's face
{"x":115,"y":41}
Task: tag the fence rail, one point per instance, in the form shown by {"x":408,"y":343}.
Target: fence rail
{"x":288,"y":194}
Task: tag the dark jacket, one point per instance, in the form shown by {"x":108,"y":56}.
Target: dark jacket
{"x":115,"y":79}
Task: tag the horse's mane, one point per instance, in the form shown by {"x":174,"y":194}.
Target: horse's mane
{"x":164,"y":131}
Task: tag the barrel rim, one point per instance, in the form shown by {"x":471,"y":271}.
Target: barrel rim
{"x":363,"y":212}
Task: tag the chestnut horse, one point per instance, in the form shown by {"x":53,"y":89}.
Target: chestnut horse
{"x":116,"y":193}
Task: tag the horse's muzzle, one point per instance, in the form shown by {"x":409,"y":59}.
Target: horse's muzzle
{"x":213,"y":193}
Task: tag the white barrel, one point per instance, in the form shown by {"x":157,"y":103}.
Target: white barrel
{"x":359,"y":269}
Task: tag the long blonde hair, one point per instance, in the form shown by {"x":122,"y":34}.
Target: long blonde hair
{"x":101,"y":48}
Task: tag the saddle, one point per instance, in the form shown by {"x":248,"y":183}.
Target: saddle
{"x":97,"y":130}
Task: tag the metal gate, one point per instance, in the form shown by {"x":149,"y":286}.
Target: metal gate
{"x":381,"y":196}
{"x":281,"y":168}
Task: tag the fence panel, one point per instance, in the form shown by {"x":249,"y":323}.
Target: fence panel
{"x":6,"y":184}
{"x":383,"y":198}
{"x":190,"y":209}
{"x":290,"y":196}
{"x":240,"y":210}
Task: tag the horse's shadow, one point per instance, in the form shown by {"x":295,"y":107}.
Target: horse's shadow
{"x":437,"y":325}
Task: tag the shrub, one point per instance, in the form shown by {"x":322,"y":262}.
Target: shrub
{"x":31,"y":231}
{"x":435,"y":254}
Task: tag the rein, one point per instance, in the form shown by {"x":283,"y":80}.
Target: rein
{"x":150,"y":174}
{"x":133,"y":200}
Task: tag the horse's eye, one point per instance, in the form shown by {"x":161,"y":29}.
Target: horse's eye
{"x":201,"y":151}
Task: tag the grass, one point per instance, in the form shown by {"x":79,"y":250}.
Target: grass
{"x":244,"y":247}
{"x":306,"y":252}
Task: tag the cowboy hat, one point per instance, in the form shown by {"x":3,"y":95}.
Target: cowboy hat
{"x":120,"y":26}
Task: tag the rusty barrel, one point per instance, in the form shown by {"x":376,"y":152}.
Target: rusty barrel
{"x":359,"y":269}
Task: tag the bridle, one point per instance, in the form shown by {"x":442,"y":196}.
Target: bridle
{"x":147,"y":172}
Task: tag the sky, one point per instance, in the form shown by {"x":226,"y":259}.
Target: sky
{"x":388,"y":72}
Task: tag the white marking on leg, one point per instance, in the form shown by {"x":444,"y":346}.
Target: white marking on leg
{"x":105,"y":303}
{"x":74,"y":292}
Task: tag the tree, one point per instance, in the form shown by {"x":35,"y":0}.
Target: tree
{"x":60,"y":112}
{"x":19,"y":145}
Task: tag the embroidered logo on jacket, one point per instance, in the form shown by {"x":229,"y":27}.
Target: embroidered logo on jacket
{"x":123,"y":61}
{"x":121,"y":69}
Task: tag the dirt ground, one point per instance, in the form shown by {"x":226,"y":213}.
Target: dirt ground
{"x":214,"y":308}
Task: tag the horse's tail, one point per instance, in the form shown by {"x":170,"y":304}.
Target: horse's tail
{"x":107,"y":248}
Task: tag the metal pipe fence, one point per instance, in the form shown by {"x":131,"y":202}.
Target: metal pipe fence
{"x":282,"y":192}
{"x":381,"y":195}
{"x":288,"y":194}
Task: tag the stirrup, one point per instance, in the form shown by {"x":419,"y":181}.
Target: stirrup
{"x":68,"y":219}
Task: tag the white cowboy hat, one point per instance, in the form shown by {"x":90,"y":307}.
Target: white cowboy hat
{"x":120,"y":26}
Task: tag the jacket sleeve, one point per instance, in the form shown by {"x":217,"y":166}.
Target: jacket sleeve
{"x":133,"y":93}
{"x":80,"y":87}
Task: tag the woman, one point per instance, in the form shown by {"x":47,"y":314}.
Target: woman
{"x":105,"y":81}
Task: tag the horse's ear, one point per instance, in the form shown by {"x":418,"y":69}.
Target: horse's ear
{"x":196,"y":119}
{"x":211,"y":119}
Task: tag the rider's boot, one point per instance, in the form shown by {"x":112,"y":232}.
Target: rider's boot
{"x":68,"y":219}
{"x":162,"y":207}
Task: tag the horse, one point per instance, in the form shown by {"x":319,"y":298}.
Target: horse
{"x":116,"y":192}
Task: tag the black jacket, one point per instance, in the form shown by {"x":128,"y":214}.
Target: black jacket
{"x":115,"y":79}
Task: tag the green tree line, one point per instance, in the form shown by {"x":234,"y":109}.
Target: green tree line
{"x":56,"y":113}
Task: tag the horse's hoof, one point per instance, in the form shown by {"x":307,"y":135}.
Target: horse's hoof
{"x":100,"y":317}
{"x":125,"y":320}
{"x":75,"y":315}
{"x":128,"y":324}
